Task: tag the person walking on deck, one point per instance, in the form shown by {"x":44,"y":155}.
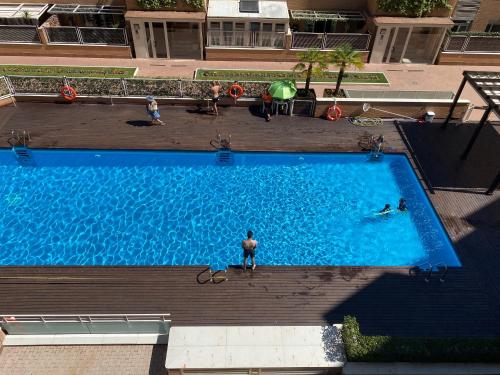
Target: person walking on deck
{"x":153,"y":111}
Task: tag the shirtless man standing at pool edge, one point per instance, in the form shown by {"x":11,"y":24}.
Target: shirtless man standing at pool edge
{"x":215,"y":90}
{"x":249,"y":246}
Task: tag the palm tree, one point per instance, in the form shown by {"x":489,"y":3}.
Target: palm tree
{"x":344,"y":57}
{"x":311,"y":61}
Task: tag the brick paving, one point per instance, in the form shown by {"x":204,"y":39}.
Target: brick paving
{"x":83,"y":360}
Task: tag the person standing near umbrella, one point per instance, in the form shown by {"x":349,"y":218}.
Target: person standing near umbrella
{"x":267,"y":103}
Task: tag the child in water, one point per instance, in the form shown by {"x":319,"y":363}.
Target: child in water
{"x":402,"y":205}
{"x":386,"y":209}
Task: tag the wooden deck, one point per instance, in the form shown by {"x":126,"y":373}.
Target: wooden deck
{"x":387,"y":300}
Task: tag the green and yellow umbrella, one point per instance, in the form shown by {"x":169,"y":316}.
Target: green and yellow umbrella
{"x":282,"y":90}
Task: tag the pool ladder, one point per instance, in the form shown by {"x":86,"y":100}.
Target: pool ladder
{"x":428,"y":270}
{"x":224,"y":156}
{"x":19,"y":142}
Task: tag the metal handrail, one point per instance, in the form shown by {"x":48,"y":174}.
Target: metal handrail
{"x":322,"y":38}
{"x":429,"y":268}
{"x":25,"y":27}
{"x":83,"y":318}
{"x":245,"y":39}
{"x":80,"y":37}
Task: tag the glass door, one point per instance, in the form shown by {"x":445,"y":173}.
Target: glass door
{"x":254,"y":33}
{"x":227,"y":27}
{"x":160,"y":42}
{"x":399,"y":44}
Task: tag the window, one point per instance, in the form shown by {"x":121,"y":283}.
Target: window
{"x":461,"y":26}
{"x":214,"y":25}
{"x":239,"y":26}
{"x":249,"y":6}
{"x":493,"y":27}
{"x":255,"y":26}
{"x":227,"y":26}
{"x":267,"y":27}
{"x":279,"y":27}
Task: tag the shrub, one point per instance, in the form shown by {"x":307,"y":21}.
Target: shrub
{"x":156,"y":87}
{"x":4,"y":89}
{"x":97,"y":86}
{"x":412,"y":8}
{"x":169,"y":4}
{"x":360,"y":348}
{"x":156,"y":4}
{"x":195,"y":4}
{"x":36,"y":85}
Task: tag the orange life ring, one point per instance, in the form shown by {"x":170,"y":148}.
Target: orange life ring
{"x":333,"y":113}
{"x":235,"y":91}
{"x":68,"y":93}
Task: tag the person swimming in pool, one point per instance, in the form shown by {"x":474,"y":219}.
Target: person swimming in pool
{"x":386,"y":209}
{"x":402,"y":205}
{"x":249,"y":246}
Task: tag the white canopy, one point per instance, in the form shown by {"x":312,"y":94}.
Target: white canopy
{"x":224,"y":347}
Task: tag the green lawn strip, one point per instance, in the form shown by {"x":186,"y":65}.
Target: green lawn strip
{"x":68,"y":71}
{"x":273,"y":75}
{"x":361,"y":348}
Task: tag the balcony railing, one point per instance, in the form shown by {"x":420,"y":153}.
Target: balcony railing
{"x":85,"y":324}
{"x":19,"y":34}
{"x":327,"y":41}
{"x":250,"y":39}
{"x":472,"y":43}
{"x":86,"y":35}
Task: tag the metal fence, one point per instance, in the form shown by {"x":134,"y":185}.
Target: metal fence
{"x":19,"y":34}
{"x":86,"y":35}
{"x":251,"y":39}
{"x":361,"y":42}
{"x":471,"y":43}
{"x":85,"y":324}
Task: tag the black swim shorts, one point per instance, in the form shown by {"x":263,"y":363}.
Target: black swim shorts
{"x":248,"y":253}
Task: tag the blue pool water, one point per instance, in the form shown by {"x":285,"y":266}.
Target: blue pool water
{"x":180,"y":208}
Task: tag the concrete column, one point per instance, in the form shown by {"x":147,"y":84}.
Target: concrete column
{"x":43,"y":35}
{"x":288,"y":39}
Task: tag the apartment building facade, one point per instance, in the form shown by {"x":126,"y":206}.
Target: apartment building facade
{"x":246,"y":29}
{"x":474,"y":38}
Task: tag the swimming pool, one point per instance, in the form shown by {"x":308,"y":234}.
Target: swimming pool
{"x":97,"y":207}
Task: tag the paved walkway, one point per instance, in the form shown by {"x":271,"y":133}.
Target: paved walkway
{"x":400,"y":76}
{"x":84,"y":360}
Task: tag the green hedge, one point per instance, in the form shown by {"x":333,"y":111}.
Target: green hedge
{"x":4,"y":89}
{"x":273,"y":75}
{"x":68,"y":71}
{"x":169,"y":4}
{"x":412,"y":8}
{"x":360,"y":348}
